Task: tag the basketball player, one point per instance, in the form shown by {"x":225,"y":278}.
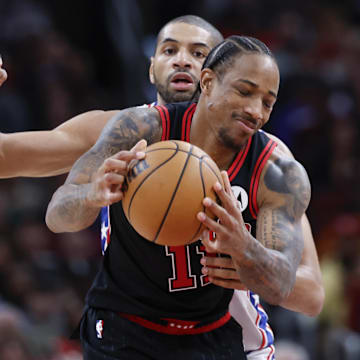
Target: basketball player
{"x":188,"y":40}
{"x":136,"y":296}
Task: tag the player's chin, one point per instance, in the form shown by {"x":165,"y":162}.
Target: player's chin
{"x":181,"y":96}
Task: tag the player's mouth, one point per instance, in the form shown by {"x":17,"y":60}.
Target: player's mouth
{"x":181,"y":81}
{"x":248,"y":124}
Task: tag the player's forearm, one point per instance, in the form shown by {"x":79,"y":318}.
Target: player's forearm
{"x":307,"y":295}
{"x":265,"y":271}
{"x":33,"y":154}
{"x":69,"y":209}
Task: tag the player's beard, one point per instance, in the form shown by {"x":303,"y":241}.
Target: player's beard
{"x":171,"y":96}
{"x":229,"y":141}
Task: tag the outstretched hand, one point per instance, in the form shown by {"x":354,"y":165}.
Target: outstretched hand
{"x":107,"y":183}
{"x":231,"y":234}
{"x":3,"y":73}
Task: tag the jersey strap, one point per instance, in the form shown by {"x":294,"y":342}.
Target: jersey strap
{"x":239,"y":161}
{"x":165,"y":120}
{"x":186,"y":122}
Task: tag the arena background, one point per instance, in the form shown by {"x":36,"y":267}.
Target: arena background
{"x":66,"y":57}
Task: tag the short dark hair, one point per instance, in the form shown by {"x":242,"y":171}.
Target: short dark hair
{"x":216,"y":36}
{"x":222,"y":56}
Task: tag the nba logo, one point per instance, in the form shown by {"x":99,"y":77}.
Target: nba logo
{"x":99,"y":328}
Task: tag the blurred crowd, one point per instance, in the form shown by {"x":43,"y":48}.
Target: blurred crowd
{"x":66,"y":57}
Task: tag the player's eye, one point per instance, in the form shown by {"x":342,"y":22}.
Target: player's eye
{"x":243,"y":92}
{"x":268,"y":104}
{"x":169,"y":51}
{"x":199,"y":54}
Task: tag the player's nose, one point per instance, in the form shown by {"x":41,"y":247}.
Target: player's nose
{"x":254,"y":109}
{"x":182,"y":60}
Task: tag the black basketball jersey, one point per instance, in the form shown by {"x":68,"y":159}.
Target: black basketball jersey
{"x":153,"y":281}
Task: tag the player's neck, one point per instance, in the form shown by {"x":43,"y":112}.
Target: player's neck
{"x":203,"y":136}
{"x":160,"y":100}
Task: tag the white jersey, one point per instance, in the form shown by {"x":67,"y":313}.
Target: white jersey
{"x":258,"y":337}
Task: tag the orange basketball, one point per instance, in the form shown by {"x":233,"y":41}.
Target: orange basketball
{"x":165,"y":192}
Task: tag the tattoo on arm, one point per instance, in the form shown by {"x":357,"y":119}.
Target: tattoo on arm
{"x":273,"y":270}
{"x":288,"y":177}
{"x":68,"y":209}
{"x":121,"y":133}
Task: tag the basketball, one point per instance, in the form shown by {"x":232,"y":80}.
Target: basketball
{"x":164,"y":192}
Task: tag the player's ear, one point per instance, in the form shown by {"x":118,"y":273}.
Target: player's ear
{"x":206,"y":80}
{"x":151,"y":70}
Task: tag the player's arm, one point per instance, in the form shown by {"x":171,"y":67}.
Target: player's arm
{"x":308,"y":294}
{"x":267,"y":264}
{"x":53,"y":152}
{"x":97,"y":177}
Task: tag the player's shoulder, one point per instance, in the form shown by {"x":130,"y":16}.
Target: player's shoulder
{"x":283,"y":177}
{"x":281,"y":148}
{"x":282,"y":159}
{"x":283,"y":163}
{"x":283,"y":173}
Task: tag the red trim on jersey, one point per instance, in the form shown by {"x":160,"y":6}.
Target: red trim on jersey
{"x":165,"y":119}
{"x":254,"y":184}
{"x":178,"y":327}
{"x":188,"y":126}
{"x":272,"y":350}
{"x":262,"y":332}
{"x":239,"y":161}
{"x":186,"y":122}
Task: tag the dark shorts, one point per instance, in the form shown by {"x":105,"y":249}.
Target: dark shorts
{"x":107,"y":336}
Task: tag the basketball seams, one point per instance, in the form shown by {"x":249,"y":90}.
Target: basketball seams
{"x":202,"y":163}
{"x":192,"y":174}
{"x":189,"y":153}
{"x":204,"y":194}
{"x":209,"y":166}
{"x":151,"y":173}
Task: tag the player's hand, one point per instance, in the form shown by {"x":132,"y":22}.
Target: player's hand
{"x":221,"y":271}
{"x":107,"y":183}
{"x":231,"y":234}
{"x":3,"y":73}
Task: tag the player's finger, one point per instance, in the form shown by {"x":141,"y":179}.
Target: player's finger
{"x":115,"y":165}
{"x":218,"y":261}
{"x":220,"y":273}
{"x":211,"y":246}
{"x":227,"y":197}
{"x":218,"y":211}
{"x":140,"y":146}
{"x":114,"y":197}
{"x":114,"y":178}
{"x":209,"y":223}
{"x":227,"y":185}
{"x":128,"y":155}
